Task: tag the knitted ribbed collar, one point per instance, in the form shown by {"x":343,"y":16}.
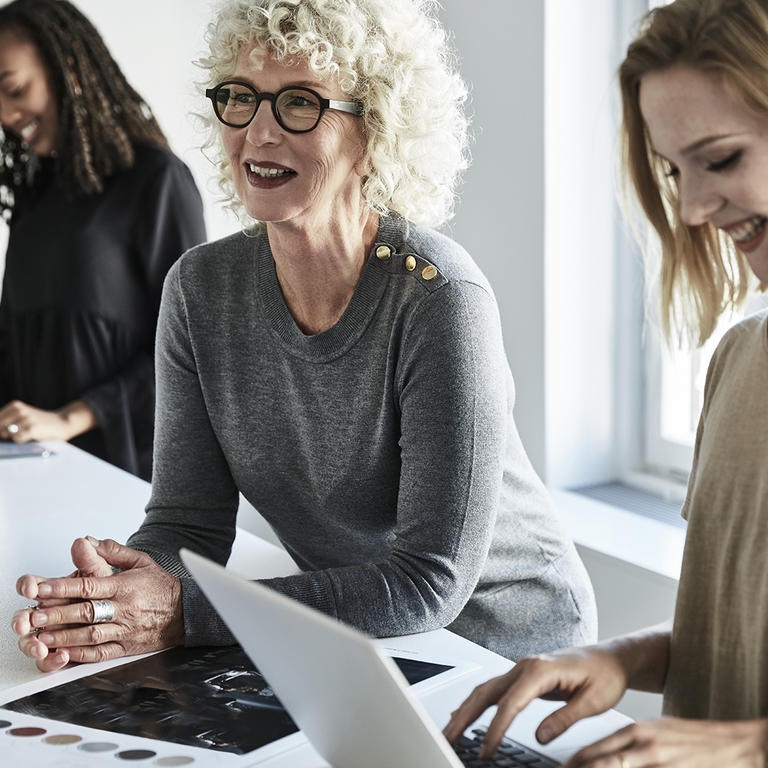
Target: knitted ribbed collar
{"x":325,"y":346}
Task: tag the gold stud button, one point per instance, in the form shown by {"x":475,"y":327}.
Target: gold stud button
{"x":410,"y":263}
{"x":383,"y":252}
{"x":429,"y":272}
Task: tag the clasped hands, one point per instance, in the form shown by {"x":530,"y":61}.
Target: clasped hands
{"x":117,"y":602}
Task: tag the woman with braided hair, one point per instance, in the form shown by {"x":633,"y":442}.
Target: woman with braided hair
{"x":98,"y":208}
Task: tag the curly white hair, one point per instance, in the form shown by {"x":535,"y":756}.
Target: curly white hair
{"x":392,"y":55}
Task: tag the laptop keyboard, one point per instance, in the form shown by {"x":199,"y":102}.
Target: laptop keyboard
{"x":510,"y":754}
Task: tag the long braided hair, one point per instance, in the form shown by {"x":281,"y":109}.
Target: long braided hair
{"x":101,"y":116}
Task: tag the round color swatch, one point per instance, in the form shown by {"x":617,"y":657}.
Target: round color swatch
{"x":172,"y":762}
{"x":27,"y":731}
{"x":98,"y":746}
{"x":135,"y":754}
{"x":4,"y":723}
{"x":62,"y":739}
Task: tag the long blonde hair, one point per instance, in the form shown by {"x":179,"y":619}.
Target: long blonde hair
{"x":702,"y":274}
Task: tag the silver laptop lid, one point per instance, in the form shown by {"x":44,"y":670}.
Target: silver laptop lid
{"x":349,"y":699}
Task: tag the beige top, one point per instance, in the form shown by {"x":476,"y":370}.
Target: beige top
{"x":719,"y":654}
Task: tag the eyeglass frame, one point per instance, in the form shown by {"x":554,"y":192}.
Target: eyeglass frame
{"x":351,"y":107}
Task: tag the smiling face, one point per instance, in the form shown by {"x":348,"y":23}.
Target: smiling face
{"x":717,"y":150}
{"x":306,"y":179}
{"x":28,"y":105}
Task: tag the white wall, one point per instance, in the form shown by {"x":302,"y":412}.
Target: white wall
{"x":156,"y":42}
{"x":629,"y":597}
{"x":501,"y":215}
{"x":579,"y":255}
{"x":538,"y":213}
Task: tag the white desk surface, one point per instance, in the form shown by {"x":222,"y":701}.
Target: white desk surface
{"x":45,"y":503}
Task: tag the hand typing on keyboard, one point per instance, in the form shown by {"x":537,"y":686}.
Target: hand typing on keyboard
{"x":590,"y":680}
{"x":510,"y":754}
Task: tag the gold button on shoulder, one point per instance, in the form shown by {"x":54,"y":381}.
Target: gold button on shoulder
{"x":383,"y":252}
{"x":410,"y":263}
{"x":429,"y":272}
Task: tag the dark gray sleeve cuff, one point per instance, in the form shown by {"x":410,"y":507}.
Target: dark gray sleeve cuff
{"x":202,"y":624}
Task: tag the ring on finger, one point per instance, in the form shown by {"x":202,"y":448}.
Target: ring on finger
{"x":623,"y":761}
{"x":32,"y":607}
{"x":103,"y":610}
{"x":13,"y":428}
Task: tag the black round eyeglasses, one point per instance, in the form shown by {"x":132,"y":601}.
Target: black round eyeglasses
{"x":296,"y":109}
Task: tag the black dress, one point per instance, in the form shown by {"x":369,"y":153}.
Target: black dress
{"x":81,"y":294}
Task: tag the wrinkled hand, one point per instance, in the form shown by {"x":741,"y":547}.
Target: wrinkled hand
{"x":590,"y":681}
{"x":147,"y":601}
{"x":680,"y":743}
{"x":35,"y":424}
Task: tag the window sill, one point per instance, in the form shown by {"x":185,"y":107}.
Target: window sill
{"x":627,"y":536}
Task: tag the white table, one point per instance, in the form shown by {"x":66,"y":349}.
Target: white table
{"x":45,"y":503}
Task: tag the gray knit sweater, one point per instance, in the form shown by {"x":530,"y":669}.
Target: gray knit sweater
{"x":382,"y":451}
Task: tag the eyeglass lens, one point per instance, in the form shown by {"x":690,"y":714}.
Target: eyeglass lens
{"x":296,"y":109}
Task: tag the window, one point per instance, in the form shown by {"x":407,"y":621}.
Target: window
{"x":674,"y":394}
{"x":673,"y":397}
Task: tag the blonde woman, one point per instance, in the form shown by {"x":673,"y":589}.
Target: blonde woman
{"x":695,"y":104}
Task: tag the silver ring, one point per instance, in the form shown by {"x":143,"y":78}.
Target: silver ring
{"x":12,"y":429}
{"x":103,"y":610}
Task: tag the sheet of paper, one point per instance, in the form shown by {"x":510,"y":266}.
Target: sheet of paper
{"x":210,"y":699}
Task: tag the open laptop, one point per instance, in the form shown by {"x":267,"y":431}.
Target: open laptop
{"x":326,"y":674}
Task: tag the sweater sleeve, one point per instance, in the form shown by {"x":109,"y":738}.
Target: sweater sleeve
{"x":454,"y":395}
{"x":203,"y":513}
{"x":169,"y":221}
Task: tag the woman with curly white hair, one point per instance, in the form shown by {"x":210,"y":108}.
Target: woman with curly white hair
{"x":338,"y":362}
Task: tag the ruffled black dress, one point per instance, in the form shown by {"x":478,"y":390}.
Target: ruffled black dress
{"x":81,"y":293}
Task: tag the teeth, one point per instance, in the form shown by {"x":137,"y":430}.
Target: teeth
{"x":28,"y":130}
{"x":748,"y":229}
{"x":266,"y":173}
